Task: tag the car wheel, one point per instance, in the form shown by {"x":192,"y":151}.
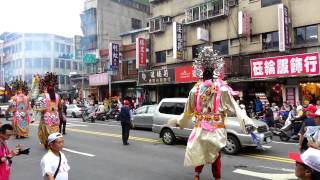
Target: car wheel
{"x":74,"y":115}
{"x":168,"y":137}
{"x":233,"y":145}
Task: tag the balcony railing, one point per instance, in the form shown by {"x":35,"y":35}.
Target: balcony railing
{"x":207,"y":11}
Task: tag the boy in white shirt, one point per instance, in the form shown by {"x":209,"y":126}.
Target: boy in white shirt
{"x":54,"y":164}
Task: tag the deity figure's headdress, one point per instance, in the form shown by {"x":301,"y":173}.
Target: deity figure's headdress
{"x":208,"y":59}
{"x":19,"y":85}
{"x":50,"y":79}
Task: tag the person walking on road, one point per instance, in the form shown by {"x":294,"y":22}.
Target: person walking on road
{"x":63,"y":119}
{"x":54,"y":164}
{"x":126,"y":121}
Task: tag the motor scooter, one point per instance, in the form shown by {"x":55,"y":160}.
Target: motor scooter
{"x":286,"y":133}
{"x":89,"y":114}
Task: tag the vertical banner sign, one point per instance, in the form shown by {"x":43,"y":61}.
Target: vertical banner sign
{"x":114,"y":54}
{"x":244,"y":23}
{"x":177,"y":40}
{"x":283,"y":26}
{"x":141,"y":52}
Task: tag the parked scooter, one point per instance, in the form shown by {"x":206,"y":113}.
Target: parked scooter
{"x":286,"y":133}
{"x":89,"y":114}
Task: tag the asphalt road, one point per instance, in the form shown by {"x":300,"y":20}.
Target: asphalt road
{"x":95,"y":152}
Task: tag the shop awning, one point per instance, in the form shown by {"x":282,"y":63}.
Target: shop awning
{"x":124,"y":81}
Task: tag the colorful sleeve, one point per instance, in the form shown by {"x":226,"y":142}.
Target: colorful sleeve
{"x":187,"y":115}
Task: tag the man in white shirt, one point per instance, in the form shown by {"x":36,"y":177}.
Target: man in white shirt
{"x":54,"y":164}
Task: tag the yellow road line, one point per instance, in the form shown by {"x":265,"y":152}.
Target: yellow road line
{"x":115,"y":135}
{"x":150,"y":140}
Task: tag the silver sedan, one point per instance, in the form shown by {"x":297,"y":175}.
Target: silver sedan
{"x":143,"y":116}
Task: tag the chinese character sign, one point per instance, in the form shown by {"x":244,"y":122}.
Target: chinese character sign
{"x":294,"y":65}
{"x":283,"y":26}
{"x":114,"y":54}
{"x":178,"y":40}
{"x":141,"y":52}
{"x":156,"y":76}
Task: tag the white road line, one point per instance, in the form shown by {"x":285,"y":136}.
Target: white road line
{"x":277,"y":142}
{"x":271,"y":176}
{"x":77,"y":152}
{"x":281,"y":169}
{"x":267,"y":147}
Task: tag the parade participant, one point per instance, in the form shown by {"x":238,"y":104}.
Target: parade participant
{"x":54,"y":164}
{"x":126,"y":121}
{"x":33,"y":95}
{"x":6,"y":131}
{"x":48,"y":103}
{"x":20,"y":107}
{"x":210,"y":101}
{"x":307,"y":164}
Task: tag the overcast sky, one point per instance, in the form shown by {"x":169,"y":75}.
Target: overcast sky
{"x":61,"y":17}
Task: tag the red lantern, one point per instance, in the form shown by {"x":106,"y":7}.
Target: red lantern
{"x":277,"y":88}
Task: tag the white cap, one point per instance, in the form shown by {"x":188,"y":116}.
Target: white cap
{"x":317,"y":113}
{"x":311,"y":158}
{"x":52,"y":137}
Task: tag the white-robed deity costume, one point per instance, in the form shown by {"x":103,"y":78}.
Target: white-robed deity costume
{"x":210,"y":101}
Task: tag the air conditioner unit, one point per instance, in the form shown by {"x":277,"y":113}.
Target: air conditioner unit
{"x":232,"y":3}
{"x":167,"y":19}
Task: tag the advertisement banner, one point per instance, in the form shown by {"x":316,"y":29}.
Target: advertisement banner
{"x":177,"y":40}
{"x":283,"y":66}
{"x":141,"y":52}
{"x":283,"y":26}
{"x":185,"y":74}
{"x":98,"y":79}
{"x":244,"y":22}
{"x":114,"y":54}
{"x":156,"y":76}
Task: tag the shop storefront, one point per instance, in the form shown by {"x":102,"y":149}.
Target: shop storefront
{"x":294,"y":77}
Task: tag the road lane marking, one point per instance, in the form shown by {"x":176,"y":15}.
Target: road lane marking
{"x":275,"y":168}
{"x":116,"y":135}
{"x":270,"y":158}
{"x":270,"y":176}
{"x":266,"y":147}
{"x":78,"y":152}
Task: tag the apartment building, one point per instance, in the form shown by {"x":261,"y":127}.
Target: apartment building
{"x":102,"y":23}
{"x":25,"y":54}
{"x":271,"y":47}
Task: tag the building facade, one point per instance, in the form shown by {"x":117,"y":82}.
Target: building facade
{"x":26,"y":54}
{"x":103,"y":22}
{"x":249,"y":34}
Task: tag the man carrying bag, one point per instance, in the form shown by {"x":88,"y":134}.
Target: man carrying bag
{"x":54,"y":164}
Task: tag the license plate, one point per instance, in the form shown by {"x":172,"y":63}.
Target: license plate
{"x":268,"y":139}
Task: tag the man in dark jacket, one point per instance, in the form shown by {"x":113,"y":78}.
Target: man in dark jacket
{"x":125,"y":118}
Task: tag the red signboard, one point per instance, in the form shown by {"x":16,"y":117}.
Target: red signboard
{"x":282,"y":66}
{"x":141,"y":52}
{"x":185,"y":74}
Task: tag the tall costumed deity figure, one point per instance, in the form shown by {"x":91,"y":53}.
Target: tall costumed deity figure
{"x":19,"y":105}
{"x":50,"y":108}
{"x":209,"y":103}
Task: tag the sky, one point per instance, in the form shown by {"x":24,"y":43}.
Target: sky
{"x":60,"y":17}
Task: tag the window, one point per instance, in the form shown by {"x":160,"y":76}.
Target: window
{"x":56,"y":47}
{"x":141,"y":110}
{"x":171,"y":108}
{"x":62,"y":48}
{"x":131,"y":65}
{"x":28,"y":63}
{"x":135,"y":23}
{"x":234,"y":42}
{"x":156,"y":24}
{"x":151,"y":109}
{"x":68,"y":65}
{"x":161,"y":57}
{"x":255,"y":38}
{"x":196,"y":50}
{"x":308,"y":34}
{"x":56,"y":63}
{"x":133,"y":38}
{"x":222,"y":47}
{"x":61,"y":79}
{"x":28,"y":45}
{"x":62,"y":64}
{"x":46,"y":46}
{"x":75,"y":65}
{"x":265,"y":3}
{"x":80,"y":66}
{"x":270,"y":40}
{"x":68,"y":48}
{"x":36,"y":63}
{"x":46,"y":64}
